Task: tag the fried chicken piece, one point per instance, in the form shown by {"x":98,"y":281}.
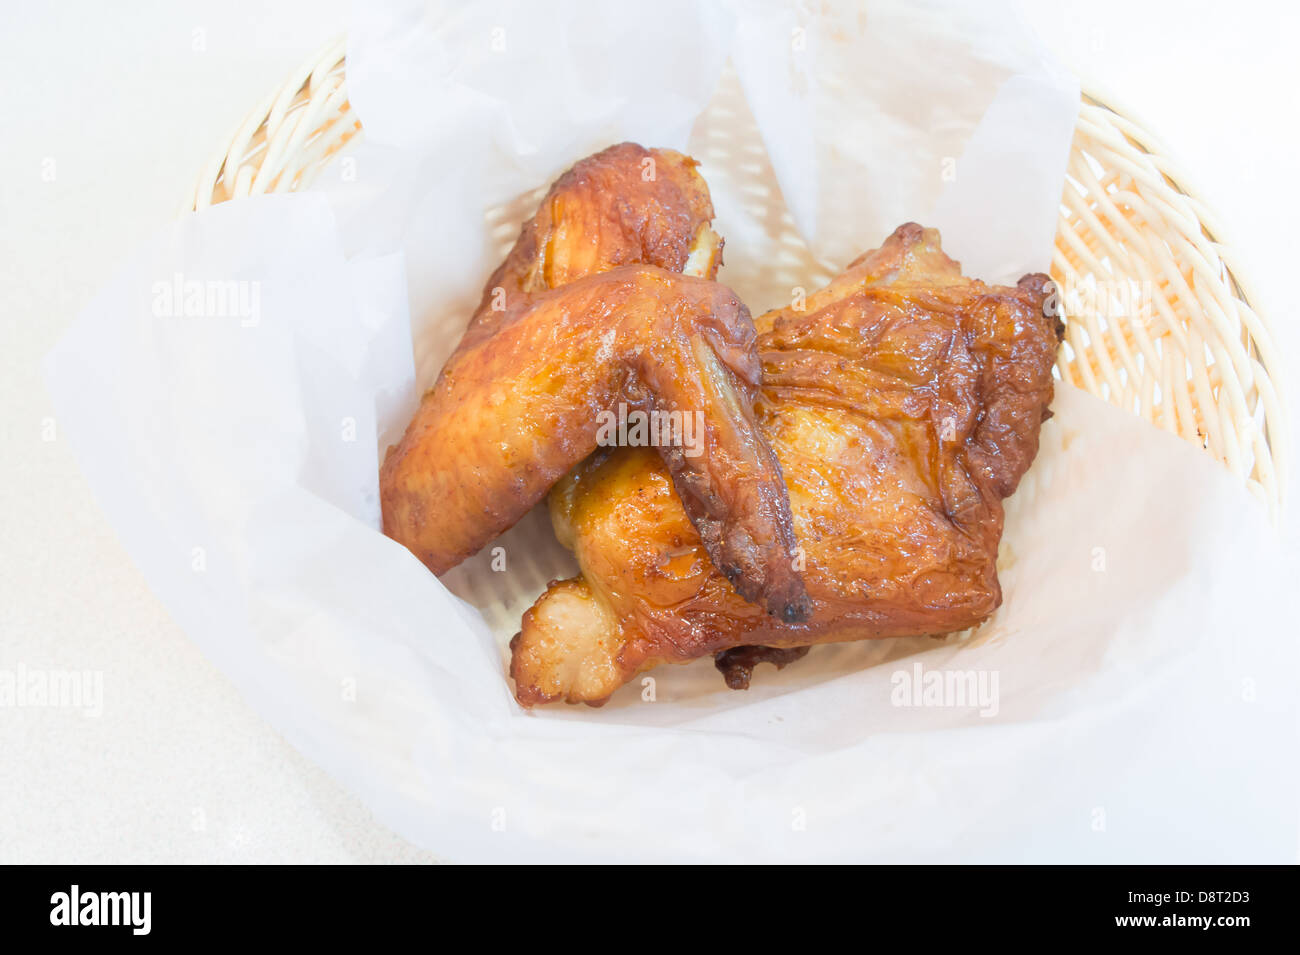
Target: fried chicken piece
{"x":625,"y":205}
{"x":587,"y":317}
{"x":904,"y":402}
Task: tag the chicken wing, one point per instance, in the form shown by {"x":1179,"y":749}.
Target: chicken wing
{"x":586,"y":316}
{"x":904,"y":403}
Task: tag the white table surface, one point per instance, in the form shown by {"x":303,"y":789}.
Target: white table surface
{"x":129,"y":101}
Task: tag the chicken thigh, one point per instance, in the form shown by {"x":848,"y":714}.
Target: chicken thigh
{"x":904,"y":402}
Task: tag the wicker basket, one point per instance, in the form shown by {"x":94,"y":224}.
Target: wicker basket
{"x":1158,"y":312}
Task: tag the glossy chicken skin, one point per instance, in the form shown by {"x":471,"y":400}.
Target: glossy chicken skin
{"x":626,"y":205}
{"x":904,"y":402}
{"x":587,"y":316}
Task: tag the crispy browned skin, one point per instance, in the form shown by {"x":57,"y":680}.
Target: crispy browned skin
{"x":904,"y":402}
{"x":626,"y":205}
{"x":586,"y":314}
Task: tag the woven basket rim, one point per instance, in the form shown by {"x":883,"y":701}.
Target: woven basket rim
{"x":302,"y":125}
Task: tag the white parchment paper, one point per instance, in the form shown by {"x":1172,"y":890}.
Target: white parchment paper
{"x":228,"y":395}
